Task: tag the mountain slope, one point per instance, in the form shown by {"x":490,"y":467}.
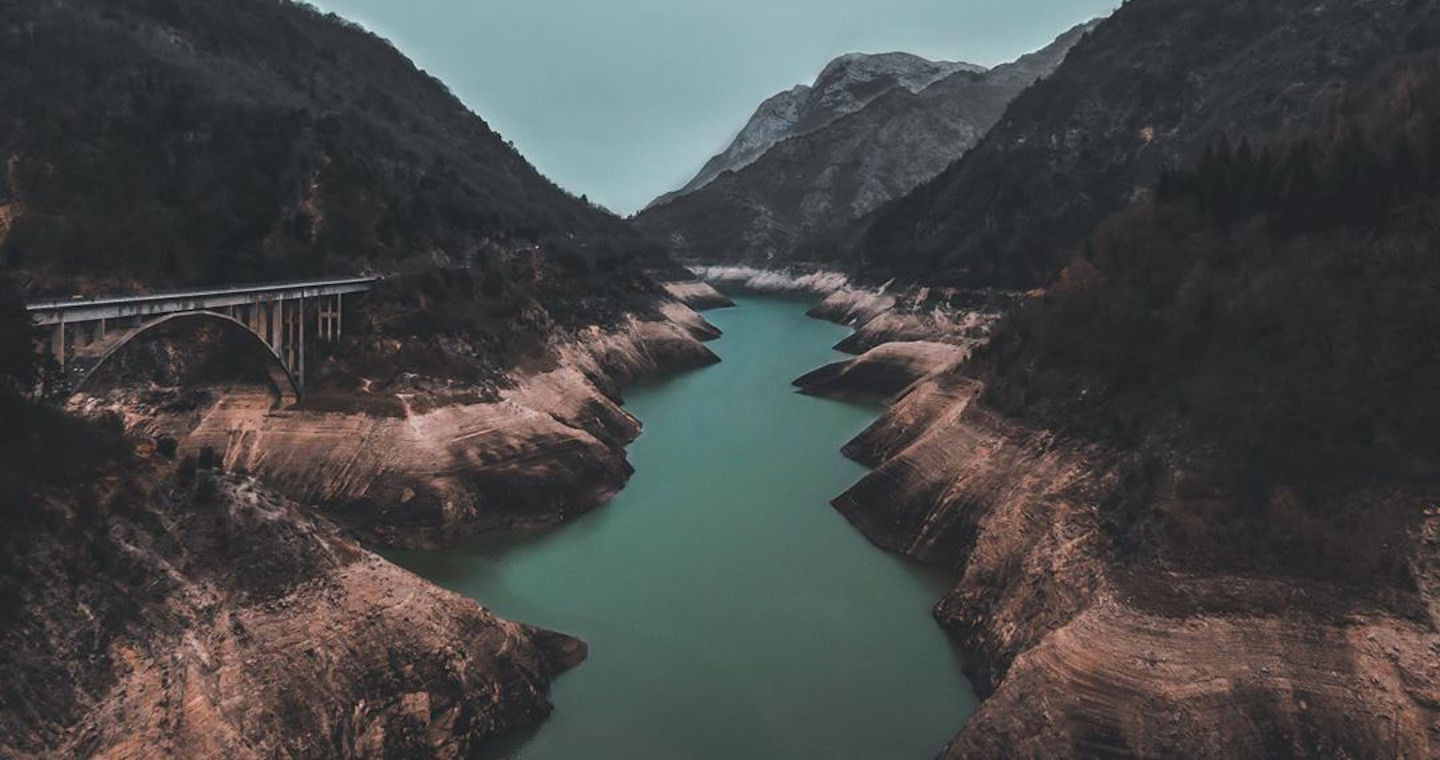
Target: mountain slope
{"x":1189,"y":485}
{"x":212,"y":141}
{"x":806,"y":187}
{"x":1151,"y":85}
{"x":151,"y":604}
{"x":844,"y":86}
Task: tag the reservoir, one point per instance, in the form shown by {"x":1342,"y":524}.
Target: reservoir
{"x":730,"y":611}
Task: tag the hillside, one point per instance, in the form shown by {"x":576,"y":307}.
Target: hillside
{"x":1262,"y":326}
{"x":196,"y":142}
{"x":794,"y":201}
{"x":1153,"y":84}
{"x":1189,"y":484}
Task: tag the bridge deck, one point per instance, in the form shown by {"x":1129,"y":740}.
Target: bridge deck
{"x":118,"y":307}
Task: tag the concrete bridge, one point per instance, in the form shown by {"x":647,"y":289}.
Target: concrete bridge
{"x":276,"y":319}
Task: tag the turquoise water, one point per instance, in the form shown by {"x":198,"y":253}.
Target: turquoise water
{"x":730,"y":611}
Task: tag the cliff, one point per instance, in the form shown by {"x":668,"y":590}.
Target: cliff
{"x":846,"y":85}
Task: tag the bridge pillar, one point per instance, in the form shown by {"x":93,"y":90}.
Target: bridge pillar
{"x":300,"y":361}
{"x":266,"y":318}
{"x":277,"y":328}
{"x":57,"y":343}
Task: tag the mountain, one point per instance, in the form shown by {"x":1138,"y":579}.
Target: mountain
{"x":1151,"y":86}
{"x":844,"y":86}
{"x":155,"y":578}
{"x":1208,"y":434}
{"x":806,"y":187}
{"x":181,"y":142}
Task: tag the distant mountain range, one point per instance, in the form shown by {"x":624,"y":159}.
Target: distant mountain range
{"x":812,"y":159}
{"x":846,"y":85}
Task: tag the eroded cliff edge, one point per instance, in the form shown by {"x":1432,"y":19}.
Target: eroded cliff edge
{"x":1084,"y":646}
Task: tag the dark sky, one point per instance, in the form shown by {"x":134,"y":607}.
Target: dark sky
{"x":625,"y":99}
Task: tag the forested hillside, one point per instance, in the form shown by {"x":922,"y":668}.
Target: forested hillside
{"x":1152,"y":85}
{"x":1262,"y":334}
{"x":212,"y":140}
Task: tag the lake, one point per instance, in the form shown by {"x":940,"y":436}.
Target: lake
{"x":730,"y":611}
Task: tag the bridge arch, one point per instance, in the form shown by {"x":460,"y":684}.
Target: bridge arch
{"x":280,"y":376}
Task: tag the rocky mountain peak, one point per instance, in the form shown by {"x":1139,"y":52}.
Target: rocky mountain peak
{"x":846,"y":85}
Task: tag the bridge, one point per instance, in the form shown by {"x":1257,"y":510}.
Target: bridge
{"x":275,"y":319}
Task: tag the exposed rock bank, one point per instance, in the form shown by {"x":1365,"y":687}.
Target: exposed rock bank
{"x":217,"y":619}
{"x":1082,"y":652}
{"x":882,"y":372}
{"x":420,"y":468}
{"x":697,"y":294}
{"x":880,"y":313}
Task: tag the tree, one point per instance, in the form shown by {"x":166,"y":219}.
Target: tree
{"x":17,"y":342}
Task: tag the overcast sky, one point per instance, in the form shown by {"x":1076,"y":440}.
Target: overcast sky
{"x":623,"y":100}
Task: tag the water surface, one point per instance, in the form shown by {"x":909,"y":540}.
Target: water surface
{"x":730,"y":611}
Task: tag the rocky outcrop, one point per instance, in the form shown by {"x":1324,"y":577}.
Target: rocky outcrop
{"x":1082,"y":653}
{"x":216,"y":619}
{"x":961,"y":319}
{"x":882,"y":372}
{"x":420,"y":467}
{"x":697,"y":295}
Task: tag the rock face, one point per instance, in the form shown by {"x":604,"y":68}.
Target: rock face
{"x":882,"y":372}
{"x":819,"y":178}
{"x":149,"y":619}
{"x":845,"y":85}
{"x":434,"y":467}
{"x":697,"y":295}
